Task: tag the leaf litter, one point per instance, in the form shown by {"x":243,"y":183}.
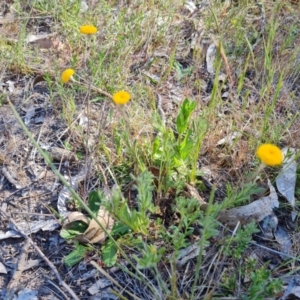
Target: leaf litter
{"x":286,"y":180}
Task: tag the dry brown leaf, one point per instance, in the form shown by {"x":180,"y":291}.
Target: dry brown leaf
{"x":93,"y":234}
{"x":255,"y":211}
{"x":75,"y":216}
{"x":194,"y":193}
{"x":37,"y":79}
{"x":61,"y":154}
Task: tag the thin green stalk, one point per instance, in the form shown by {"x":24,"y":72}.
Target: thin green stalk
{"x":174,"y":293}
{"x":206,"y":226}
{"x":69,"y":187}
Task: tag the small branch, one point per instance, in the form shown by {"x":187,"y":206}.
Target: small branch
{"x":223,"y":54}
{"x":57,"y":287}
{"x":42,"y":255}
{"x":94,"y":88}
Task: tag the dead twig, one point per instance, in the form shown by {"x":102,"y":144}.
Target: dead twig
{"x":42,"y":255}
{"x":57,"y":287}
{"x":13,"y":284}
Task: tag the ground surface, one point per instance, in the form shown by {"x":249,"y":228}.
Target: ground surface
{"x":159,"y":52}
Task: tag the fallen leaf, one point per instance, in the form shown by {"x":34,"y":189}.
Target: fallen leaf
{"x":37,"y":79}
{"x":31,"y":263}
{"x":187,"y":254}
{"x":284,"y":242}
{"x":229,"y":138}
{"x":104,"y":295}
{"x":45,"y":43}
{"x":93,"y":234}
{"x":268,"y":226}
{"x":61,"y":154}
{"x":11,"y":86}
{"x":35,"y":37}
{"x":27,"y":294}
{"x":154,"y":78}
{"x":65,"y":194}
{"x":293,"y":289}
{"x":2,"y":269}
{"x":257,"y":210}
{"x":286,"y":180}
{"x":99,"y":285}
{"x":30,"y":112}
{"x":83,"y":6}
{"x":195,"y":194}
{"x":29,"y":228}
{"x":210,"y":58}
{"x":190,"y":5}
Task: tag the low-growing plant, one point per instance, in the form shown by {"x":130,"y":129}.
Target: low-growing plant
{"x":153,"y":166}
{"x":175,"y":152}
{"x":137,"y":219}
{"x":261,"y":283}
{"x":235,"y":246}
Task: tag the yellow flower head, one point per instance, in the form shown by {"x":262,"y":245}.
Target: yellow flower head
{"x":121,"y":97}
{"x":67,"y":74}
{"x":270,"y":154}
{"x":88,"y":29}
{"x":153,"y":249}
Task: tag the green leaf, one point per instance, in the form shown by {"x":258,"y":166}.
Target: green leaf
{"x":155,"y":146}
{"x":79,"y":155}
{"x":68,"y":146}
{"x":182,"y":72}
{"x":144,"y":185}
{"x":74,"y":229}
{"x":109,"y":253}
{"x":184,"y":114}
{"x":95,"y":198}
{"x":119,"y":229}
{"x":186,"y":146}
{"x":76,"y":255}
{"x":65,"y":234}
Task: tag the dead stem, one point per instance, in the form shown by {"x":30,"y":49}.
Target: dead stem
{"x":42,"y":255}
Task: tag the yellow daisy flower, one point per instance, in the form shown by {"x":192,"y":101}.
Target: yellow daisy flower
{"x":121,"y":97}
{"x":67,"y":74}
{"x":88,"y":29}
{"x":270,"y":154}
